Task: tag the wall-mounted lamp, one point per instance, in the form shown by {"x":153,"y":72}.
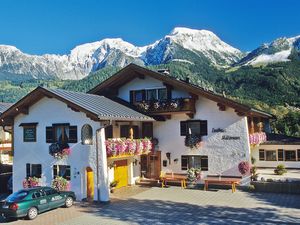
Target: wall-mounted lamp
{"x":168,"y":155}
{"x":176,"y":160}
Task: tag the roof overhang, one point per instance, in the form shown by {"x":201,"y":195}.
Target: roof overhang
{"x":133,"y":71}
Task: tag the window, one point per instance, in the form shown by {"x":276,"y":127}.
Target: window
{"x":148,"y":94}
{"x":29,"y":132}
{"x":33,"y":170}
{"x":162,"y":94}
{"x":38,"y":194}
{"x":151,"y":94}
{"x":271,"y":155}
{"x":280,"y":155}
{"x":298,"y":153}
{"x":109,"y":131}
{"x":62,"y":171}
{"x":290,"y":155}
{"x":125,"y":131}
{"x":62,"y":133}
{"x":261,"y":154}
{"x":147,"y":130}
{"x":86,"y":134}
{"x":194,"y":127}
{"x":193,"y":161}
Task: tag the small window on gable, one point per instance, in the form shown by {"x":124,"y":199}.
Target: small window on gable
{"x":29,"y":132}
{"x":87,"y":134}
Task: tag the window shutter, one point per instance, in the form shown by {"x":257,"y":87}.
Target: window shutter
{"x":39,"y":170}
{"x":183,"y":128}
{"x":298,"y":154}
{"x":109,"y":131}
{"x":204,"y":163}
{"x":55,"y":171}
{"x":124,"y":131}
{"x":49,"y":135}
{"x":68,"y":172}
{"x":73,"y":134}
{"x":203,"y":127}
{"x":131,"y":93}
{"x":27,"y":170}
{"x":184,"y":162}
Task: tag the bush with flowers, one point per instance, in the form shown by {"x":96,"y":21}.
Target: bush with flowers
{"x":122,"y":146}
{"x":31,"y":182}
{"x":244,"y":167}
{"x":59,"y":151}
{"x":60,"y":184}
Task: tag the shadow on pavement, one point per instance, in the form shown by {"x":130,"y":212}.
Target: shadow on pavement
{"x":168,"y":212}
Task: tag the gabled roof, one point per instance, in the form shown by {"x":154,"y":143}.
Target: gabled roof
{"x":4,"y":106}
{"x":132,"y":71}
{"x":96,"y":107}
{"x":281,"y":139}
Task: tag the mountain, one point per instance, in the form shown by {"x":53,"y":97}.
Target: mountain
{"x":182,"y":44}
{"x":281,"y":50}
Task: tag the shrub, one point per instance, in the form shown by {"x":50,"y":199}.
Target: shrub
{"x":253,"y":172}
{"x":280,"y":170}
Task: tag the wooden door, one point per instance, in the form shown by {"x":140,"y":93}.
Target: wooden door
{"x":151,"y":165}
{"x":90,"y":183}
{"x":121,"y":173}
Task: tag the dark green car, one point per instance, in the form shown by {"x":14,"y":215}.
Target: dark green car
{"x":30,"y":202}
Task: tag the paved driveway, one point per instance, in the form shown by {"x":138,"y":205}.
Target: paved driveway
{"x":176,"y":206}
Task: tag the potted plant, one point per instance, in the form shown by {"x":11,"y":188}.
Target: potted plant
{"x":244,"y":167}
{"x":113,"y":186}
{"x":60,"y":184}
{"x":193,"y":175}
{"x":192,"y":141}
{"x":31,"y":182}
{"x":254,"y":174}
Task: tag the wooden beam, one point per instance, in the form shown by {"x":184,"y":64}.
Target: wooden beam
{"x":72,"y":108}
{"x":92,"y":117}
{"x":190,"y":115}
{"x":193,"y":96}
{"x":221,"y":106}
{"x":240,"y":113}
{"x":23,"y":110}
{"x":141,"y":76}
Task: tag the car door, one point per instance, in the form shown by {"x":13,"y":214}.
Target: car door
{"x":54,"y":198}
{"x":41,"y":200}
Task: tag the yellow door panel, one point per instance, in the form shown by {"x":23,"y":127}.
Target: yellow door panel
{"x":121,"y":173}
{"x":90,"y":183}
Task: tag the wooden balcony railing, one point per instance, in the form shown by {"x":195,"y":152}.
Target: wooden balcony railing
{"x":166,"y":106}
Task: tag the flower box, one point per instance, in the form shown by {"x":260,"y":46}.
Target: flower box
{"x":31,"y":182}
{"x":121,"y":146}
{"x":60,"y":184}
{"x":257,"y":138}
{"x":59,"y":151}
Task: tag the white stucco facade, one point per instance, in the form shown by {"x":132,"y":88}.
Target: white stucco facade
{"x":223,"y":154}
{"x":46,"y":112}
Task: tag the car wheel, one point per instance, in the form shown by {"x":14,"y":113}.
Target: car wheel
{"x":32,"y":213}
{"x":69,"y":202}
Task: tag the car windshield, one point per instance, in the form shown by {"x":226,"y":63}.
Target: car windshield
{"x":17,"y":196}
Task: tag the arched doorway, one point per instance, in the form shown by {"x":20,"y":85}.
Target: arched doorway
{"x":90,"y":183}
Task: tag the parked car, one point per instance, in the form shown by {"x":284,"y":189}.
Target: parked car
{"x":30,"y":202}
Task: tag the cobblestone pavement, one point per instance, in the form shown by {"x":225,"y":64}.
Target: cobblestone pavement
{"x":176,"y":206}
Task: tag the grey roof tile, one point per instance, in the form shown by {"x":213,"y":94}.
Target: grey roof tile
{"x":103,"y":107}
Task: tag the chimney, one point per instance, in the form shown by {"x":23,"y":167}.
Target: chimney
{"x":187,"y":80}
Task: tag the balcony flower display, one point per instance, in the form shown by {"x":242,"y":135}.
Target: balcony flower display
{"x":244,"y":167}
{"x":121,"y":146}
{"x":59,"y":151}
{"x":143,"y":105}
{"x":161,"y":105}
{"x":257,"y":138}
{"x":60,"y":184}
{"x":193,"y":141}
{"x":31,"y":182}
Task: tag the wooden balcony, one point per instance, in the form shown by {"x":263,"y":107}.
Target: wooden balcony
{"x":168,"y":106}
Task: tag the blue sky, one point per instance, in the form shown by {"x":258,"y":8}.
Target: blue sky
{"x":56,"y":26}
